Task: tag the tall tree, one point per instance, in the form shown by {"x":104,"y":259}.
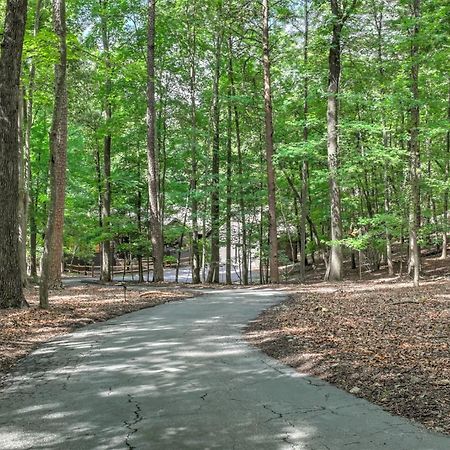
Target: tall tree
{"x":339,"y":16}
{"x":53,"y":246}
{"x":192,"y":35}
{"x":414,"y":146}
{"x":106,"y":270}
{"x":271,"y":177}
{"x":214,"y":263}
{"x":305,"y":169}
{"x":153,"y":183}
{"x":11,"y":294}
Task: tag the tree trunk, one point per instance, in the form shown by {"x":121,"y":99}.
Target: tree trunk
{"x":271,"y":177}
{"x":240,"y":169}
{"x":53,"y":245}
{"x":155,"y":213}
{"x":107,"y":141}
{"x":335,"y":272}
{"x":28,"y":123}
{"x":305,"y":169}
{"x":195,"y":256}
{"x":228,"y":264}
{"x":414,"y":219}
{"x":447,"y":177}
{"x":214,"y":273}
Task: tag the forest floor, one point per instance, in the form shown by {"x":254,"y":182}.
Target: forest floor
{"x":378,"y":338}
{"x":23,"y":330}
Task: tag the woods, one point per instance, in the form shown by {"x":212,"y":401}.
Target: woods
{"x":240,"y":143}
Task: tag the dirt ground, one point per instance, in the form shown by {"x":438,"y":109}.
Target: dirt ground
{"x":379,"y":339}
{"x":21,"y":331}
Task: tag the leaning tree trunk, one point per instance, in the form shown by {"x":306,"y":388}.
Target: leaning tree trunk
{"x":53,"y":245}
{"x":107,"y":262}
{"x":335,"y":268}
{"x":11,"y":293}
{"x":271,"y":177}
{"x":153,"y":185}
{"x":414,"y":212}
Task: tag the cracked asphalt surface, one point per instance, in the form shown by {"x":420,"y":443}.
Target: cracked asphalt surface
{"x":179,"y":376}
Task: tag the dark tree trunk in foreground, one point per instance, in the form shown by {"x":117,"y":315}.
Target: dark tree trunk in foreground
{"x":446,"y":193}
{"x":271,"y":178}
{"x":53,"y":245}
{"x":153,"y":185}
{"x":11,"y":293}
{"x":414,"y":149}
{"x":335,"y":268}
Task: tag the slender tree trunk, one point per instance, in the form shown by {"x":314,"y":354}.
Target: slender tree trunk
{"x":195,"y":257}
{"x":214,"y":265}
{"x":107,"y":142}
{"x":228,"y":279}
{"x":155,"y":217}
{"x":271,"y":177}
{"x":22,"y":204}
{"x":29,"y":102}
{"x":414,"y":220}
{"x":305,"y":169}
{"x":53,"y":246}
{"x":335,"y":272}
{"x":237,"y":127}
{"x":446,"y":193}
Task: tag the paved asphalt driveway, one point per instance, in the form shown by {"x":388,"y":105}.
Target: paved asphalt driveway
{"x":179,"y":376}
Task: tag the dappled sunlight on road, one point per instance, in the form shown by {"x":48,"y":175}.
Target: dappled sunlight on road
{"x":177,"y":376}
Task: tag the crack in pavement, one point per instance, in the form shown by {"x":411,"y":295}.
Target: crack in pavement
{"x":131,"y":426}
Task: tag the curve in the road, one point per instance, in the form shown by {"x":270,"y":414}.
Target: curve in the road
{"x":180,"y":376}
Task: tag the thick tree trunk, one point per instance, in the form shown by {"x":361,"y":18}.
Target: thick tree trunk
{"x":107,"y":142}
{"x":414,"y":219}
{"x":53,"y":246}
{"x":214,"y":263}
{"x":271,"y":177}
{"x":305,"y":169}
{"x":155,"y":213}
{"x":335,"y":272}
{"x":237,"y":127}
{"x":11,"y":294}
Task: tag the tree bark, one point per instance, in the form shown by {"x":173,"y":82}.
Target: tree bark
{"x":237,"y":127}
{"x":107,"y":142}
{"x":11,"y":293}
{"x":29,"y":110}
{"x":305,"y":169}
{"x":446,"y":193}
{"x":214,"y":263}
{"x":271,"y":176}
{"x":335,"y":268}
{"x":228,"y":264}
{"x":155,"y":213}
{"x":53,"y":245}
{"x":195,"y":257}
{"x":414,"y":146}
